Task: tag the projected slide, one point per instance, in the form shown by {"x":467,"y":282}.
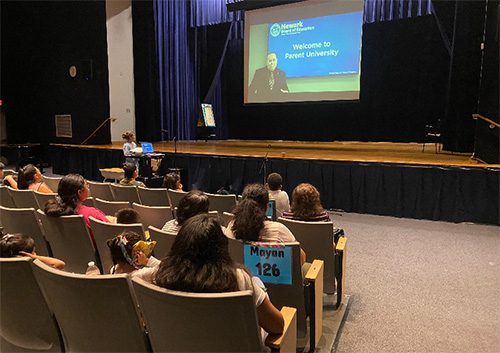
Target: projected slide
{"x":306,"y":51}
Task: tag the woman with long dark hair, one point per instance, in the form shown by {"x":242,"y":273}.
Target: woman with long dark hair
{"x":72,"y":191}
{"x":251,"y":224}
{"x":30,"y":178}
{"x":199,"y":261}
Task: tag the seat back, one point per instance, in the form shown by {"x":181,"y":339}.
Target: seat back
{"x":236,"y":250}
{"x":226,"y":217}
{"x":110,"y":207}
{"x":281,"y":294}
{"x":153,"y":197}
{"x":316,"y":238}
{"x":5,"y":198}
{"x":155,"y":216}
{"x":175,"y":196}
{"x":221,"y":203}
{"x":95,"y":313}
{"x":42,"y":198}
{"x":69,"y":240}
{"x":26,"y":323}
{"x":164,"y":241}
{"x":24,"y":198}
{"x":103,"y":231}
{"x":198,"y":322}
{"x":25,"y":221}
{"x":125,"y":193}
{"x":100,"y":190}
{"x":52,"y":182}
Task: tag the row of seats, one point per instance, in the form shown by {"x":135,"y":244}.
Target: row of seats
{"x":44,"y":309}
{"x":110,"y":192}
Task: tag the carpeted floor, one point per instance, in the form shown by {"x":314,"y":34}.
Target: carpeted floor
{"x":420,"y":286}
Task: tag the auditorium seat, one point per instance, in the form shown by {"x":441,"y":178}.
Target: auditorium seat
{"x":110,"y":207}
{"x":23,"y":198}
{"x":175,"y":196}
{"x":221,"y":203}
{"x":25,"y":221}
{"x":42,"y":198}
{"x":104,"y":231}
{"x":316,"y":239}
{"x":294,"y":295}
{"x":155,"y":216}
{"x":100,"y":190}
{"x":226,"y":217}
{"x":125,"y":193}
{"x":153,"y":197}
{"x":5,"y":198}
{"x":52,"y":182}
{"x":95,"y":313}
{"x":69,"y":240}
{"x":26,"y":323}
{"x":205,"y":322}
{"x":164,"y":241}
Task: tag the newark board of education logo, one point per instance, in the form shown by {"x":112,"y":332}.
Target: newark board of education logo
{"x":275,"y":30}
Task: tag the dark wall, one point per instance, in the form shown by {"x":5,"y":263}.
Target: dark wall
{"x":40,"y":41}
{"x":403,"y":84}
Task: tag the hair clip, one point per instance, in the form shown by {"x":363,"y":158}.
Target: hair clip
{"x":122,"y":240}
{"x":7,"y":236}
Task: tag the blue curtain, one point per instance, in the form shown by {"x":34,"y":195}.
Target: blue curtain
{"x":211,"y":12}
{"x":179,"y":106}
{"x":179,"y":101}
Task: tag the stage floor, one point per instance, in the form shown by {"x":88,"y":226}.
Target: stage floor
{"x":370,"y":152}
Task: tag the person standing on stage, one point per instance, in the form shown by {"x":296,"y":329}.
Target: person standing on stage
{"x":129,"y":146}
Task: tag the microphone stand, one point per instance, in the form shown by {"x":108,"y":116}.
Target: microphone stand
{"x":92,"y":134}
{"x":263,"y":166}
{"x":175,"y":151}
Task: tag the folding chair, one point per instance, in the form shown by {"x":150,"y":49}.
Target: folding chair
{"x":221,"y":203}
{"x":26,"y":323}
{"x":95,"y":313}
{"x":153,"y":197}
{"x":24,"y":198}
{"x":52,"y":182}
{"x":5,"y":198}
{"x":155,"y":216}
{"x":110,"y":207}
{"x":100,"y":190}
{"x":103,"y":232}
{"x":164,"y":241}
{"x":206,"y":322}
{"x":25,"y":221}
{"x":42,"y":198}
{"x":69,"y":240}
{"x":125,"y":193}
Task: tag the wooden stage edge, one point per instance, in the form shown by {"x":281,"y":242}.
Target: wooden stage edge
{"x":368,"y":152}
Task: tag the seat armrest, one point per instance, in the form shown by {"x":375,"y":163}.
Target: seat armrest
{"x":287,"y":341}
{"x":341,"y":244}
{"x":314,"y":277}
{"x":314,"y":271}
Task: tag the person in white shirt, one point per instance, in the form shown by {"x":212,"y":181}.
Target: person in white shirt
{"x":250,"y":223}
{"x":199,"y":262}
{"x":274,"y":184}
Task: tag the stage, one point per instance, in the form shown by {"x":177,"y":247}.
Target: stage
{"x":396,"y":179}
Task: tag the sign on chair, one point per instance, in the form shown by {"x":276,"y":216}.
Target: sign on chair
{"x":271,"y":263}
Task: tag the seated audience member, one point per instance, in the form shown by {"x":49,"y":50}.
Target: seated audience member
{"x":72,"y":191}
{"x":306,"y":205}
{"x":12,"y":245}
{"x":250,"y":223}
{"x":193,"y":203}
{"x":172,"y":181}
{"x":131,"y":254}
{"x":127,"y":216}
{"x":7,"y":180}
{"x":274,"y":184}
{"x":29,"y":177}
{"x":131,"y":173}
{"x":199,"y":262}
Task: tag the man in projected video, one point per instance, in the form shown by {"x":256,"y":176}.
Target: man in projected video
{"x":268,"y":82}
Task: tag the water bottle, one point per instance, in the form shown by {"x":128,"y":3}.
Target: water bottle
{"x":92,"y":269}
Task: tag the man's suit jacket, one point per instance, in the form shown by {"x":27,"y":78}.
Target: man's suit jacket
{"x":259,"y":88}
